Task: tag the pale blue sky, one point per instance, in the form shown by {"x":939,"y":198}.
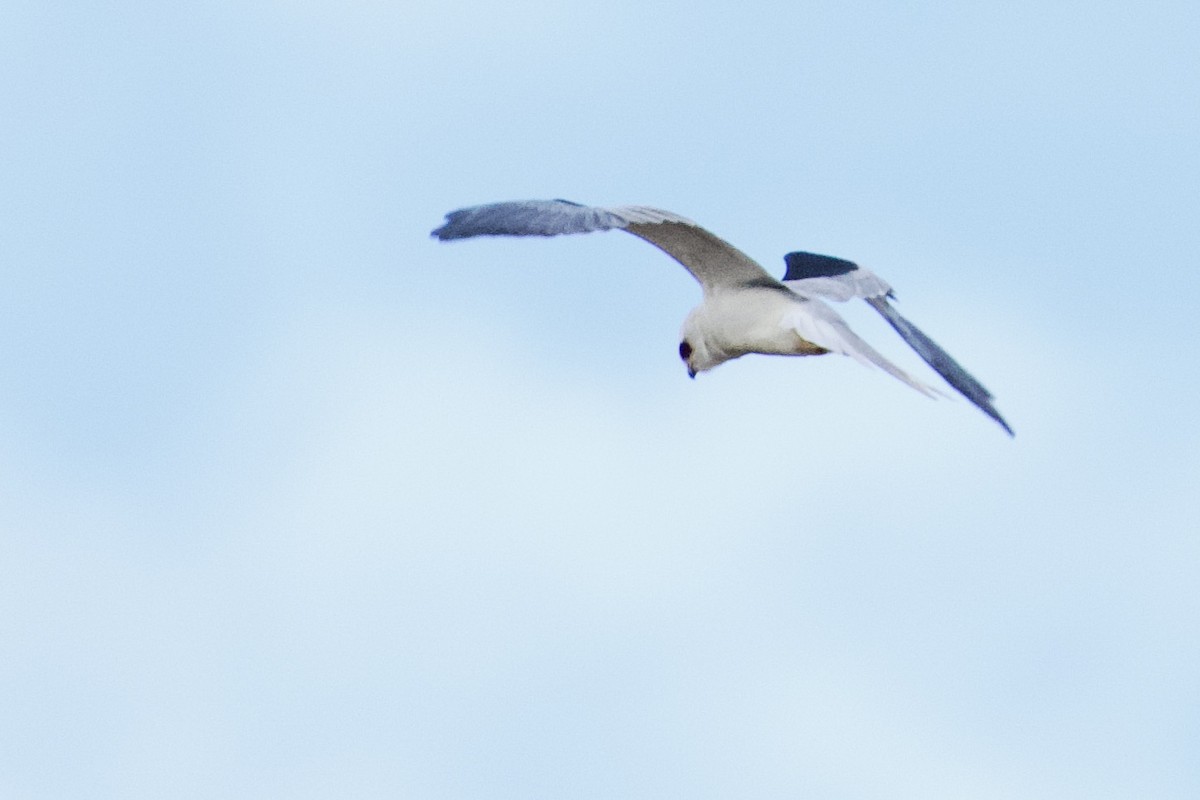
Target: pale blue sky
{"x":299,"y":503}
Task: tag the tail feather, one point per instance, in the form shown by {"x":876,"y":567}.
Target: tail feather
{"x":940,"y":360}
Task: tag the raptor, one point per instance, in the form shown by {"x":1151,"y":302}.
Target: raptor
{"x":744,"y":309}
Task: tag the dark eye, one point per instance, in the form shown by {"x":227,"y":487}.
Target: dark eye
{"x":685,"y":350}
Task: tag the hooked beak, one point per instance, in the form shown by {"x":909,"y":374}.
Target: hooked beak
{"x":691,"y":373}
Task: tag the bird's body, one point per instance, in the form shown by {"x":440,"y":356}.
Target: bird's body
{"x":744,"y":309}
{"x":756,"y":319}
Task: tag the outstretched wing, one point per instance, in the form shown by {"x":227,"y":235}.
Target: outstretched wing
{"x":940,"y":360}
{"x":814,"y":321}
{"x":712,"y":261}
{"x":811,"y":275}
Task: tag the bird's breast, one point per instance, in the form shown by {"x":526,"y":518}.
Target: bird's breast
{"x":753,"y":321}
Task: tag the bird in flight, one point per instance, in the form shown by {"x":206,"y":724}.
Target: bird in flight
{"x":744,"y":309}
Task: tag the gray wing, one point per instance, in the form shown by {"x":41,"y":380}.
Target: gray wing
{"x":711,"y":260}
{"x":940,"y":360}
{"x":812,"y":275}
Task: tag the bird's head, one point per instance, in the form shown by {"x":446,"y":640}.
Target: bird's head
{"x":694,"y":350}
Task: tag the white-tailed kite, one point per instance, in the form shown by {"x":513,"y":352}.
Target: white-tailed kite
{"x":744,"y":309}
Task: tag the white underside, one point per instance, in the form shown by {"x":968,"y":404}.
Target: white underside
{"x":737,"y":321}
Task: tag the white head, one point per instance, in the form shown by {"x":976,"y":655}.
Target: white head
{"x":694,"y":349}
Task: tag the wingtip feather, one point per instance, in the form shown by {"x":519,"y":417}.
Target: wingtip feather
{"x":941,"y":361}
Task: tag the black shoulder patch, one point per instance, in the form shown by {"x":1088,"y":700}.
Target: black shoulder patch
{"x":811,"y":265}
{"x":765,"y":282}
